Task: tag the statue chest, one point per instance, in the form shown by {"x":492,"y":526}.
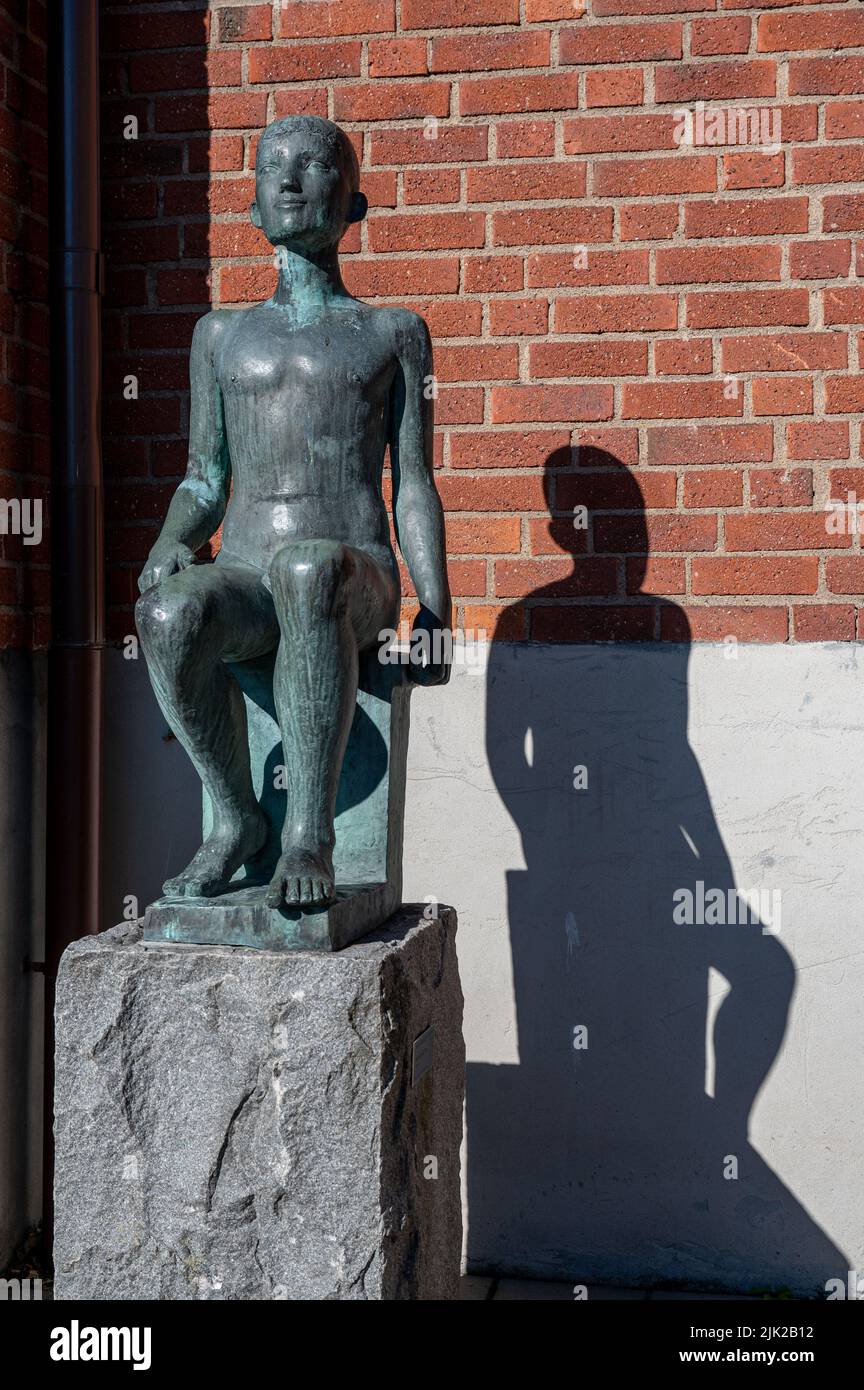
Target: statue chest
{"x":299,"y":370}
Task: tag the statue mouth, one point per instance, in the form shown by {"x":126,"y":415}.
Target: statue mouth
{"x":292,"y":203}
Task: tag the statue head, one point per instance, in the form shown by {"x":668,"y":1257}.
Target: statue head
{"x":306,"y":184}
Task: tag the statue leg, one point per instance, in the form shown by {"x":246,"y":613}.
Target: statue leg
{"x":332,"y":600}
{"x":189,"y":625}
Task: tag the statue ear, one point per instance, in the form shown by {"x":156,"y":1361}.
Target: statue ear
{"x":358,"y":207}
{"x":254,"y":215}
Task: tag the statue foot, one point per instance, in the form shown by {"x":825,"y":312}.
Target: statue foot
{"x":303,"y":878}
{"x":221,"y":855}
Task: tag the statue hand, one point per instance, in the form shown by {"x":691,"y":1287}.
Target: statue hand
{"x":431,"y":650}
{"x":165,"y":558}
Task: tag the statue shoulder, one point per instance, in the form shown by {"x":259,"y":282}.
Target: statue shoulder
{"x":406,"y":328}
{"x":212,"y":327}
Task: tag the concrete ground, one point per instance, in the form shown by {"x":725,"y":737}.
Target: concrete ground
{"x":485,"y":1287}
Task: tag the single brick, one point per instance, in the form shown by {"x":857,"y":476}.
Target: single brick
{"x":820,"y":260}
{"x":675,"y":173}
{"x":494,"y":95}
{"x":844,"y":395}
{"x":846,"y":575}
{"x":823,"y":622}
{"x":592,"y":623}
{"x":746,"y":217}
{"x":783,"y":395}
{"x":815,"y":440}
{"x":777,"y":33}
{"x":599,"y":134}
{"x":713,"y":487}
{"x":298,"y":19}
{"x":683,"y":356}
{"x":304,"y":62}
{"x":478,"y":362}
{"x":656,"y":531}
{"x":493,"y":273}
{"x":245,"y":23}
{"x":620,"y":313}
{"x":533,"y":226}
{"x":587,"y":359}
{"x":716,"y":623}
{"x":430,"y":231}
{"x":455,"y":14}
{"x":648,"y":221}
{"x":557,"y":269}
{"x":842,"y":164}
{"x":754,"y":170}
{"x":506,"y":448}
{"x":755,"y":575}
{"x":783,"y":352}
{"x":782,"y":531}
{"x":843,"y":305}
{"x":430,"y":186}
{"x":709,"y":38}
{"x":844,"y":120}
{"x":523,"y":182}
{"x":715,"y":81}
{"x":436,"y":145}
{"x":621,"y":43}
{"x":382,"y":101}
{"x":485,"y":52}
{"x":746,"y":308}
{"x":517,"y":317}
{"x":613,"y":87}
{"x":728,"y":264}
{"x":825,"y":76}
{"x":524,"y":139}
{"x":479,"y":535}
{"x":559,"y":575}
{"x":667,"y":400}
{"x":429,"y":275}
{"x":397,"y":57}
{"x":780,"y":487}
{"x":518,"y":404}
{"x":710,"y":444}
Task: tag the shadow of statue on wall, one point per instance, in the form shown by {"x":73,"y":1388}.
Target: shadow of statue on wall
{"x":618,"y":1146}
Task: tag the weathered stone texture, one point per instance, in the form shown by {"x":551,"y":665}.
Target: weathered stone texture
{"x":237,"y":1124}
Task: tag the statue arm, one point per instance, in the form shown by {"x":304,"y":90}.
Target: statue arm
{"x":417,"y":511}
{"x":198,"y":505}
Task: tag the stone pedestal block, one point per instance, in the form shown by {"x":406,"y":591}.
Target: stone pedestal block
{"x":241,"y":1124}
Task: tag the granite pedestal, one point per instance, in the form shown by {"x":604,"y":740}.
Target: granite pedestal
{"x":245,"y":1124}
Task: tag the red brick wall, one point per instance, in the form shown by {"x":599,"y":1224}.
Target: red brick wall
{"x":665,"y":335}
{"x":24,"y":445}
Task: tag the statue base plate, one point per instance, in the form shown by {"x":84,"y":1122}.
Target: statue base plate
{"x":240,"y":917}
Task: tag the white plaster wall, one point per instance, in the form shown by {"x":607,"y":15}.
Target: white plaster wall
{"x":607,"y":1163}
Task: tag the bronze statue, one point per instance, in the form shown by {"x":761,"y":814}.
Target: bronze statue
{"x":295,"y":401}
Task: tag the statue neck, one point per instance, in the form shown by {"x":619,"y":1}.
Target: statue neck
{"x":308,"y":281}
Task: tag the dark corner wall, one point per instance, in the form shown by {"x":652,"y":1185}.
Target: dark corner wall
{"x":24,"y":601}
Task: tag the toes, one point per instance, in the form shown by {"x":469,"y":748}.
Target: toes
{"x":275,"y":893}
{"x":306,"y":892}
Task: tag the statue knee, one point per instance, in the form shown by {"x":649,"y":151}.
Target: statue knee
{"x":302,"y":569}
{"x":170,"y":617}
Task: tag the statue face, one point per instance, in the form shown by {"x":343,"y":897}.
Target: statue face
{"x":303,"y":199}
